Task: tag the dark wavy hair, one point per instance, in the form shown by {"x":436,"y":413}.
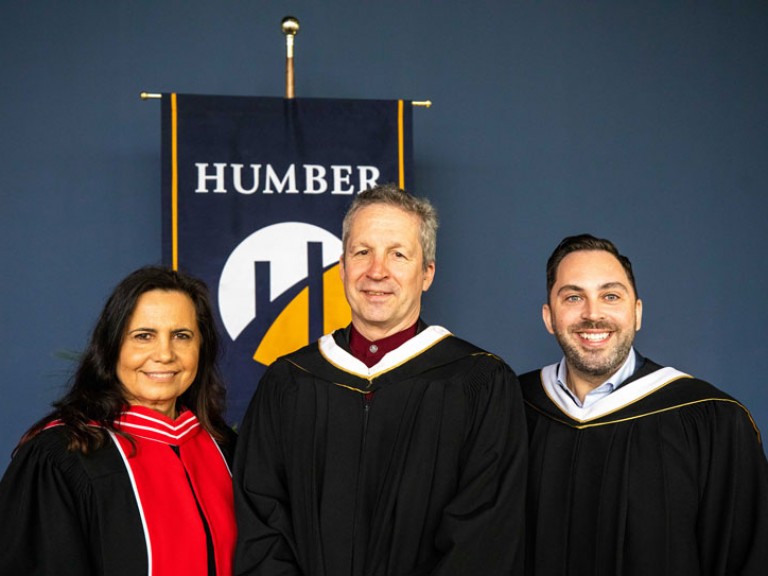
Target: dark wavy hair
{"x":96,"y":395}
{"x":585,"y":242}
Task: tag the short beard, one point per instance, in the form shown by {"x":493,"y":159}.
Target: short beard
{"x":594,"y":366}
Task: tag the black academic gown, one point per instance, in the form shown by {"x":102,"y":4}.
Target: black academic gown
{"x":66,"y":514}
{"x":63,"y":513}
{"x":425,"y":477}
{"x":672,"y":484}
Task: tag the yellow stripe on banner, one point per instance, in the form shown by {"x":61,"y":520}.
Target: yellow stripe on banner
{"x":400,"y":144}
{"x":174,"y":184}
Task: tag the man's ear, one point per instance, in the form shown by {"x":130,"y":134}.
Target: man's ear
{"x":546,"y":315}
{"x":429,"y":276}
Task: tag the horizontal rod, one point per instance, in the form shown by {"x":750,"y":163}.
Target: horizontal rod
{"x":155,"y":96}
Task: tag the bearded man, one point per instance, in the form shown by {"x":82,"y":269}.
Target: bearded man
{"x":635,"y":469}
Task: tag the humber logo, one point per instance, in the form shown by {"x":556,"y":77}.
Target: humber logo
{"x":285,"y":279}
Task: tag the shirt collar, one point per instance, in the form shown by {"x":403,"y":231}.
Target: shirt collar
{"x":369,"y":352}
{"x":611,"y":384}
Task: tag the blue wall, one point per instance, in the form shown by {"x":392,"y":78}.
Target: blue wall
{"x":646,"y":122}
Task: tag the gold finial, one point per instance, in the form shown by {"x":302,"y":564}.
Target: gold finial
{"x":290,"y":26}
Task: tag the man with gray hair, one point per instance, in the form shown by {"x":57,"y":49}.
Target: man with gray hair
{"x":389,"y":447}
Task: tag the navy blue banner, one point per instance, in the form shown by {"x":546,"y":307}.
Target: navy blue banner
{"x":254,"y":191}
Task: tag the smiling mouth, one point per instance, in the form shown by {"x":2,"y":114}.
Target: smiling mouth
{"x":160,"y":375}
{"x":594,"y":336}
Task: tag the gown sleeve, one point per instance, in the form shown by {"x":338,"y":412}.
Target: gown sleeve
{"x":733,"y":514}
{"x":265,"y":541}
{"x":42,"y":506}
{"x":482,"y":528}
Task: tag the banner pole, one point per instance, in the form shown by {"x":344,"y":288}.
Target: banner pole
{"x":290,"y":27}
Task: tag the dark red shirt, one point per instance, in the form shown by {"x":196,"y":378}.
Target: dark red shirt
{"x":369,"y":353}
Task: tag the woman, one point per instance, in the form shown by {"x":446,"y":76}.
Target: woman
{"x":127,"y":475}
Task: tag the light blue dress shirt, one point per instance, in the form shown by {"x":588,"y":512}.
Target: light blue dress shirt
{"x":597,"y":394}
